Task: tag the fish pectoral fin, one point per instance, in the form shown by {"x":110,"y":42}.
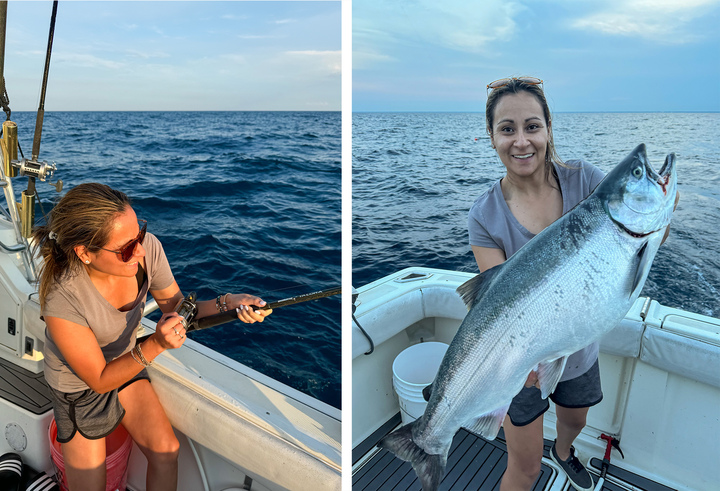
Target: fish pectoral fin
{"x":473,"y":289}
{"x":549,"y":374}
{"x":426,"y":392}
{"x":645,"y":259}
{"x":488,"y":425}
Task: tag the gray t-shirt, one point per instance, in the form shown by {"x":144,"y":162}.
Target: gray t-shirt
{"x":492,"y":224}
{"x":77,"y":300}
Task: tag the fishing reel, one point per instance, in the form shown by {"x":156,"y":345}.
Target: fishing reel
{"x":187,"y":309}
{"x":38,"y":170}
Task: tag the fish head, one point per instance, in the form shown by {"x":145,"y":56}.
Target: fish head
{"x":636,"y":197}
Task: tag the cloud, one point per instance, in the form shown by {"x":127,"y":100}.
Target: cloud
{"x":285,"y":21}
{"x":255,"y":36}
{"x":368,"y":58}
{"x":380,"y":27}
{"x":146,"y":55}
{"x":233,"y":58}
{"x":234,"y":17}
{"x":665,"y":21}
{"x":87,"y":61}
{"x":327,"y":61}
{"x":31,"y":52}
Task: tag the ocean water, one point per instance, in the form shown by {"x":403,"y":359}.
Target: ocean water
{"x":416,"y":175}
{"x":242,"y":202}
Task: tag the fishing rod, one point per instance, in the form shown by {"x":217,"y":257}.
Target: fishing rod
{"x":22,"y":213}
{"x":187,"y":309}
{"x":32,"y":168}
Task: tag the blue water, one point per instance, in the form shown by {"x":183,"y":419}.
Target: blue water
{"x":242,"y":202}
{"x":415,"y":176}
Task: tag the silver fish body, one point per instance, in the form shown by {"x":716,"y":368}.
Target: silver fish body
{"x":562,"y":291}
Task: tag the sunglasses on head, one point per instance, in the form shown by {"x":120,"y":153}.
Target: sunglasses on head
{"x":127,"y":251}
{"x":507,"y":81}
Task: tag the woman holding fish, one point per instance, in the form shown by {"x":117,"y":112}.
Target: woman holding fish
{"x":537,"y":189}
{"x":592,"y":244}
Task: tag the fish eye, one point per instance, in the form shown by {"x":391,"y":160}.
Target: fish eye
{"x":637,"y":172}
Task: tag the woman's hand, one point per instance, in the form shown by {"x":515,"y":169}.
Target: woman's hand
{"x":170,"y":333}
{"x":532,"y":380}
{"x":244,"y":303}
{"x":667,"y":230}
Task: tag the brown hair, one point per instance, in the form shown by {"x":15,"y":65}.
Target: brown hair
{"x":514,"y":87}
{"x":84,"y":216}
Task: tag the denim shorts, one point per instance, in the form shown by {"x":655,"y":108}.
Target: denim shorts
{"x":93,"y":415}
{"x":582,"y":391}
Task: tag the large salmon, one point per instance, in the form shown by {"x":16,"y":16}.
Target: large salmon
{"x":562,"y":291}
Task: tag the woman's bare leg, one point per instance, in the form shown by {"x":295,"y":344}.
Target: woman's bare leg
{"x":525,"y":451}
{"x":570,"y":422}
{"x":147,"y":423}
{"x":84,"y":463}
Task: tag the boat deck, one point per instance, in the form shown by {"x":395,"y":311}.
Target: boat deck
{"x":23,"y":388}
{"x":473,"y":464}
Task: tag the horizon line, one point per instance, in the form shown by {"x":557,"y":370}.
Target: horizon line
{"x":554,"y":112}
{"x":179,"y":111}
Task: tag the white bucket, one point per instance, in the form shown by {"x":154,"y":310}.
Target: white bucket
{"x":413,"y":370}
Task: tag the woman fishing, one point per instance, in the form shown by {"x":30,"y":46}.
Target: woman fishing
{"x":99,"y":266}
{"x":537,"y":189}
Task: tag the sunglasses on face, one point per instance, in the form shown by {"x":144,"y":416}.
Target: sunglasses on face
{"x":127,"y":251}
{"x":507,"y":81}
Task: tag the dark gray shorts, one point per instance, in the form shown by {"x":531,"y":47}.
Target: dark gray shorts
{"x":93,"y":415}
{"x":582,"y":391}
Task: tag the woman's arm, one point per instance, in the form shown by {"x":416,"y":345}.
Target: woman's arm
{"x":82,"y":352}
{"x":487,"y":257}
{"x":240,"y":301}
{"x":168,"y":298}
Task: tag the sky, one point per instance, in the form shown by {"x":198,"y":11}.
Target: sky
{"x":168,"y":56}
{"x":594,"y":55}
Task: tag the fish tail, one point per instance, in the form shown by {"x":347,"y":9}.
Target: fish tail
{"x":429,"y":467}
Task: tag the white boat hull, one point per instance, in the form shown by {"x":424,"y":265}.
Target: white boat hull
{"x":660,"y":371}
{"x":236,"y":426}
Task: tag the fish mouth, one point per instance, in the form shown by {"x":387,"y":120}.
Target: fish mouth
{"x":663,"y":177}
{"x":630,"y":232}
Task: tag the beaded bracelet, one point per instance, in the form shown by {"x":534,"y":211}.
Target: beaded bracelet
{"x":221,"y":307}
{"x":217,"y":303}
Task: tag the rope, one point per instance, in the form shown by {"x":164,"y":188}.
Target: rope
{"x":4,"y":99}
